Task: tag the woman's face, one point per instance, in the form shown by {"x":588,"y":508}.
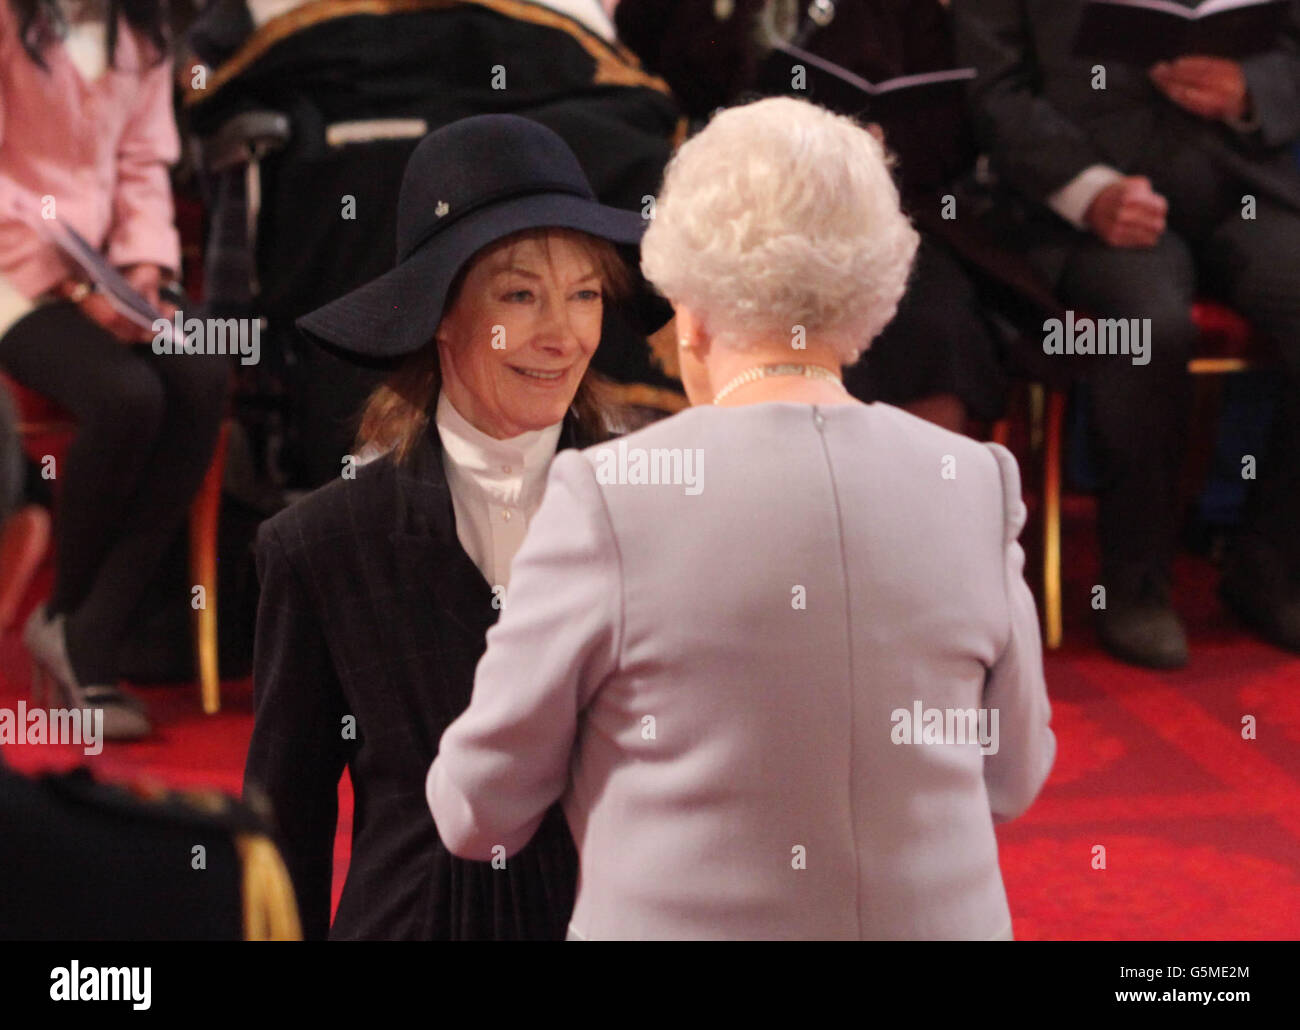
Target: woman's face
{"x":516,"y":343}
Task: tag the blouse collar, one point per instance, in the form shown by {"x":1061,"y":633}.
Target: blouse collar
{"x":472,"y":450}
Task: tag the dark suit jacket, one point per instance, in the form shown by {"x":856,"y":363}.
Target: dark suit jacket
{"x":372,"y":611}
{"x":85,"y":860}
{"x":711,"y":63}
{"x":930,"y":135}
{"x":1042,"y":122}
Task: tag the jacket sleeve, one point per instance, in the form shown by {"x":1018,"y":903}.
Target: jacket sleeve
{"x":297,"y":751}
{"x":506,"y":759}
{"x":13,"y":303}
{"x":1274,"y":82}
{"x":1015,"y":688}
{"x":143,"y":229}
{"x":1034,"y":146}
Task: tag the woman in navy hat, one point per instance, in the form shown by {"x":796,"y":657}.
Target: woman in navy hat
{"x":378,"y":589}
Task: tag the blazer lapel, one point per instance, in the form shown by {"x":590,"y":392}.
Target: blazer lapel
{"x":430,"y":560}
{"x":431,"y":563}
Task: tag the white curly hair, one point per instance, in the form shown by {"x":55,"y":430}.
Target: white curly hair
{"x":782,"y":214}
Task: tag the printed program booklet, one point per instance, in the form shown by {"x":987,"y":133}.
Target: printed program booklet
{"x":1145,"y":32}
{"x":836,"y":87}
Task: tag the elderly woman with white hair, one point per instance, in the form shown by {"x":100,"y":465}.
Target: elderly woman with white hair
{"x":775,"y":655}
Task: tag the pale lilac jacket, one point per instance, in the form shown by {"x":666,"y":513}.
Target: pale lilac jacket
{"x":100,"y":149}
{"x":725,"y":754}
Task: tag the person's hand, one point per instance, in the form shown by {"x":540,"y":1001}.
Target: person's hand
{"x":95,"y":306}
{"x":1128,"y":213}
{"x":146,"y":280}
{"x":1211,"y":87}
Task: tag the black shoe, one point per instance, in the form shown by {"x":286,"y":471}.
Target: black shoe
{"x":1263,"y":596}
{"x":1139,"y":625}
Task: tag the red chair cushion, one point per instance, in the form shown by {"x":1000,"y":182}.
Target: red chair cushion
{"x":1223,"y":332}
{"x":31,"y":406}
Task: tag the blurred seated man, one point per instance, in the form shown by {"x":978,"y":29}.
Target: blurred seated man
{"x":940,"y":358}
{"x":1136,"y":189}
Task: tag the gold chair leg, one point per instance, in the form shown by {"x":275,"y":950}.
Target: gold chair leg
{"x":204,"y":514}
{"x":1037,"y":416}
{"x":1053,"y":630}
{"x":270,"y":906}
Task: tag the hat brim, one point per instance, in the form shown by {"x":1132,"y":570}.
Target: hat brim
{"x":397,"y":313}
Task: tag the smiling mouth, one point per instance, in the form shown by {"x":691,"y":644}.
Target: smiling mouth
{"x":540,"y":376}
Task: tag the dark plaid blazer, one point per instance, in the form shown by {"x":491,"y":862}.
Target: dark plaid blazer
{"x":371,"y":609}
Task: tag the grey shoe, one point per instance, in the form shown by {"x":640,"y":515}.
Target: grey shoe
{"x":54,"y":684}
{"x":1139,"y":625}
{"x":36,"y":630}
{"x":1147,"y":635}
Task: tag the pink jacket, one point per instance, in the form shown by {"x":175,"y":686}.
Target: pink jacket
{"x":100,"y":149}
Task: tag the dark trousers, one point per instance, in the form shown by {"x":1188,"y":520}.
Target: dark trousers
{"x":11,"y":459}
{"x":1139,"y":413}
{"x":939,"y":342}
{"x":146,"y":428}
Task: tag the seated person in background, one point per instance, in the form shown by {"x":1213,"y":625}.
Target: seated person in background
{"x":378,"y":589}
{"x":712,"y":668}
{"x":1132,"y":199}
{"x":940,"y":357}
{"x":87,"y":105}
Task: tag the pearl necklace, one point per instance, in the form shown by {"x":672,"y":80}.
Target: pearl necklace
{"x":753,"y":375}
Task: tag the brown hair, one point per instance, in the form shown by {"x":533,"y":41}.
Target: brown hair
{"x":40,"y":20}
{"x":398,"y":412}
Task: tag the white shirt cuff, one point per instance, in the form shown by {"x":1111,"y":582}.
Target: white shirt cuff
{"x":1073,"y":199}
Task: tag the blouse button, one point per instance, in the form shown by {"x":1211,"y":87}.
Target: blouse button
{"x":505,"y":514}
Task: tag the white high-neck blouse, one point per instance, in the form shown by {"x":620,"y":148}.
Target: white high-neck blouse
{"x":496,"y":487}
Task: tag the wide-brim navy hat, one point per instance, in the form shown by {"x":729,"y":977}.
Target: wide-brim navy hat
{"x":466,"y":185}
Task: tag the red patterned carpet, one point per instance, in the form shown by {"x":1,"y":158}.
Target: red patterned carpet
{"x":1201,"y":829}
